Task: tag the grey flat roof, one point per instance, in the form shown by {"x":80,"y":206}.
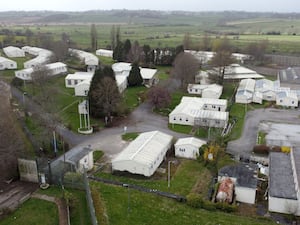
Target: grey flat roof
{"x":281,"y":180}
{"x":75,"y":158}
{"x":296,"y":154}
{"x":245,"y":173}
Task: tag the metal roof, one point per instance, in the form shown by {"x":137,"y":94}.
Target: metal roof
{"x":245,"y":174}
{"x":145,"y":148}
{"x":190,"y":141}
{"x":281,"y":180}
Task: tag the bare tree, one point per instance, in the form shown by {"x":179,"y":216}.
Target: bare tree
{"x":187,"y":42}
{"x":222,"y":58}
{"x":159,"y":97}
{"x":135,"y":53}
{"x":205,"y":44}
{"x":257,"y":50}
{"x":113,"y":37}
{"x":104,"y":97}
{"x":186,"y":66}
{"x":94,"y":37}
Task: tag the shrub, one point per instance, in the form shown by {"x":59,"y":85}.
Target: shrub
{"x":225,"y":207}
{"x":261,"y":149}
{"x":194,"y":200}
{"x":210,"y":206}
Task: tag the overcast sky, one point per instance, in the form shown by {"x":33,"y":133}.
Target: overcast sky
{"x":186,"y":5}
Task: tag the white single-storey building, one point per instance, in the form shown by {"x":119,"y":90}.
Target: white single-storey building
{"x":71,"y":80}
{"x":24,"y":74}
{"x":13,"y":52}
{"x":237,"y":72}
{"x":268,"y":88}
{"x":7,"y":64}
{"x":287,"y":99}
{"x":244,"y":177}
{"x":206,"y":90}
{"x":188,"y":147}
{"x":200,"y":112}
{"x":89,"y":59}
{"x":143,"y":155}
{"x":284,"y":170}
{"x":121,"y":83}
{"x":43,"y":56}
{"x":105,"y":53}
{"x":148,"y":75}
{"x":52,"y":70}
{"x":245,"y":91}
{"x":83,"y":160}
{"x":82,"y":88}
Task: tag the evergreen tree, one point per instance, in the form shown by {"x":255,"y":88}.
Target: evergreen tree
{"x":135,"y":77}
{"x":94,"y":37}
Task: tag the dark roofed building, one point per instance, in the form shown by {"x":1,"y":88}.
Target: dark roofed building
{"x":245,"y":179}
{"x":284,"y":182}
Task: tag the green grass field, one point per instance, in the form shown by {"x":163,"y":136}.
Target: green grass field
{"x":34,"y":212}
{"x":132,"y":207}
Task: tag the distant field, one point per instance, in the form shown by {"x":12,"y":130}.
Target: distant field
{"x":160,"y":29}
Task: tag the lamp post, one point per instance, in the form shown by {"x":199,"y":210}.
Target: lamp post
{"x":24,"y":93}
{"x":169,"y":172}
{"x":128,"y":200}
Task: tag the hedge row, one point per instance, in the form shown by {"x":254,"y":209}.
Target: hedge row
{"x":196,"y":201}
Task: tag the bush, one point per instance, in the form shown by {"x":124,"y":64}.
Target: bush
{"x":210,"y":206}
{"x":99,"y":207}
{"x":225,"y":207}
{"x":261,"y":149}
{"x":194,"y":200}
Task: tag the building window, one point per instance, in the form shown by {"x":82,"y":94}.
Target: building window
{"x":75,"y":82}
{"x":69,"y":82}
{"x":280,"y":100}
{"x":187,"y":120}
{"x":180,"y":119}
{"x":174,"y":118}
{"x":293,"y":102}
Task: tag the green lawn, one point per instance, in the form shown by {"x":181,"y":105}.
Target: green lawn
{"x":132,"y":207}
{"x":129,"y":136}
{"x":133,"y":96}
{"x":185,"y":176}
{"x":79,"y":213}
{"x":34,"y":212}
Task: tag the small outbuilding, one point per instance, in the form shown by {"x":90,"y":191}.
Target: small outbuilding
{"x":244,"y":177}
{"x":143,"y":155}
{"x":245,"y":91}
{"x":84,"y":159}
{"x":71,"y":80}
{"x":206,"y":90}
{"x":105,"y":53}
{"x":188,"y":147}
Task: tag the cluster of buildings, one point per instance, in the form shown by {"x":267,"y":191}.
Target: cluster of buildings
{"x":81,"y":81}
{"x":256,"y":91}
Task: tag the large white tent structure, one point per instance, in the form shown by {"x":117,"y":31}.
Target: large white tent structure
{"x":43,"y":56}
{"x":7,"y":64}
{"x":194,"y":111}
{"x":143,"y":155}
{"x":52,"y":70}
{"x":89,"y":59}
{"x":13,"y":52}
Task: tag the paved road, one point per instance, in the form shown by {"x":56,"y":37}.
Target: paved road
{"x":244,"y":145}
